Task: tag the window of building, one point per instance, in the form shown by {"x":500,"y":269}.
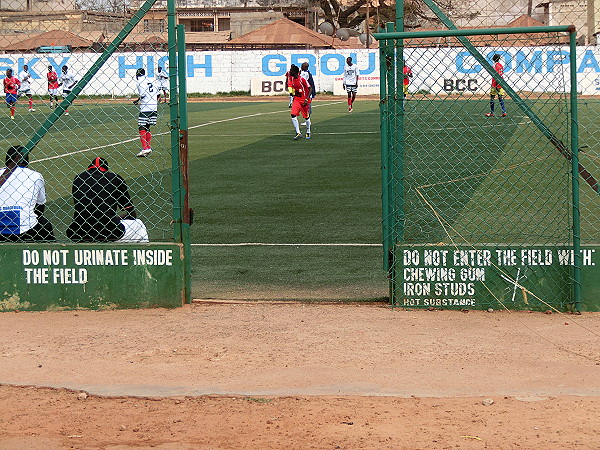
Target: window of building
{"x":154,"y":25}
{"x":224,"y":24}
{"x":202,"y":25}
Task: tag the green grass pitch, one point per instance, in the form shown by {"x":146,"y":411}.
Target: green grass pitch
{"x":250,"y":182}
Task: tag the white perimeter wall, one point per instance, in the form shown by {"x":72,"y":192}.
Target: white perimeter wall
{"x":435,"y":70}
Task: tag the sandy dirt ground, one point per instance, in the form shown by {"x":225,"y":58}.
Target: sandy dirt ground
{"x":299,"y":376}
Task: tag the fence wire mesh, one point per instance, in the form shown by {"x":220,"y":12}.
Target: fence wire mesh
{"x":106,"y":161}
{"x":471,"y":167}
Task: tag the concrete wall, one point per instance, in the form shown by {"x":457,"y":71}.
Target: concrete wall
{"x":218,"y":71}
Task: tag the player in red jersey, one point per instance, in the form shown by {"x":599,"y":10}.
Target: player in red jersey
{"x":407,"y":71}
{"x":11,"y":88}
{"x":288,"y":84}
{"x":300,"y":89}
{"x":496,"y":88}
{"x":53,"y":85}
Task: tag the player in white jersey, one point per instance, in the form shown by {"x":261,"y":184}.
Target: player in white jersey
{"x":67,"y":80}
{"x":148,"y":101}
{"x":350,"y":81}
{"x":163,"y":84}
{"x":25,"y":89}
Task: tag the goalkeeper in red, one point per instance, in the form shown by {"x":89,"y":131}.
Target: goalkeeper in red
{"x":496,"y":88}
{"x":300,"y":90}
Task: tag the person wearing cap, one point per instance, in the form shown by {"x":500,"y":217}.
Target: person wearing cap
{"x":103,"y":208}
{"x":22,"y":201}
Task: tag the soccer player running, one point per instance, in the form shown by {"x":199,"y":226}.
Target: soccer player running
{"x":305,"y":73}
{"x":52,"y":78}
{"x":148,"y":101}
{"x":301,"y":91}
{"x":496,"y":88}
{"x":407,"y":71}
{"x":25,"y":89}
{"x":163,"y":84}
{"x":11,"y":88}
{"x":68,"y":80}
{"x":351,"y":74}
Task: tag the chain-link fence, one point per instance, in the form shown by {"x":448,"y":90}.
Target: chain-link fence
{"x":477,"y":138}
{"x":99,"y":166}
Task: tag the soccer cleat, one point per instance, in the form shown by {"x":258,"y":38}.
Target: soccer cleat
{"x":349,"y":108}
{"x":12,"y":117}
{"x":298,"y":136}
{"x":66,"y":113}
{"x":31,"y":109}
{"x":503,"y":114}
{"x":489,"y":114}
{"x":307,"y":136}
{"x":144,"y":152}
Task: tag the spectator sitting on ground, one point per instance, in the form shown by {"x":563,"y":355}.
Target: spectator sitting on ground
{"x":103,"y":209}
{"x":22,"y":201}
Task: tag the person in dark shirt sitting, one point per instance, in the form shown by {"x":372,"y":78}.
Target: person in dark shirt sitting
{"x":103,"y":208}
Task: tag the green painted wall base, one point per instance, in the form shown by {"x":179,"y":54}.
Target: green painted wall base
{"x":39,"y":277}
{"x":485,"y":276}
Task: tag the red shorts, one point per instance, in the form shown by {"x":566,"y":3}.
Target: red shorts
{"x":298,"y":108}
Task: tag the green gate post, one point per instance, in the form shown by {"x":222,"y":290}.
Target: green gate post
{"x":174,"y":121}
{"x":384,"y":109}
{"x":184,"y":161}
{"x":574,"y":175}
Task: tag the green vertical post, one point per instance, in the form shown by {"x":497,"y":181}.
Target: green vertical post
{"x":575,"y":171}
{"x":184,"y":161}
{"x":60,"y":109}
{"x":174,"y":121}
{"x":384,"y":112}
{"x":392,"y":155}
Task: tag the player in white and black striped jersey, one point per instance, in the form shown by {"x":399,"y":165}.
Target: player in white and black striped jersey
{"x":25,"y":89}
{"x":148,"y":101}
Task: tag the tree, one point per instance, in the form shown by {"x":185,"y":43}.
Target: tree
{"x":416,"y":14}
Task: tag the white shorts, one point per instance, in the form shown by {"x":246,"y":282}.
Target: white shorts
{"x":53,"y":91}
{"x":351,"y":88}
{"x":135,"y":231}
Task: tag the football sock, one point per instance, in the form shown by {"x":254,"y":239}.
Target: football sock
{"x":143,"y":139}
{"x":148,"y":138}
{"x":308,"y":126}
{"x":349,"y":101}
{"x":492,"y":103}
{"x":30,"y":104}
{"x":296,"y":124}
{"x":12,"y":110}
{"x":501,"y":100}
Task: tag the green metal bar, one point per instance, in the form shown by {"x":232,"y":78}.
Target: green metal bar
{"x":390,"y":64}
{"x":58,"y":111}
{"x":174,"y":121}
{"x":461,"y":35}
{"x":574,"y":178}
{"x":453,"y":31}
{"x":184,"y":161}
{"x":384,"y":147}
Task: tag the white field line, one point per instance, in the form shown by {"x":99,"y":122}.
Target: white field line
{"x":267,"y":244}
{"x":167,"y":132}
{"x":213,"y":122}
